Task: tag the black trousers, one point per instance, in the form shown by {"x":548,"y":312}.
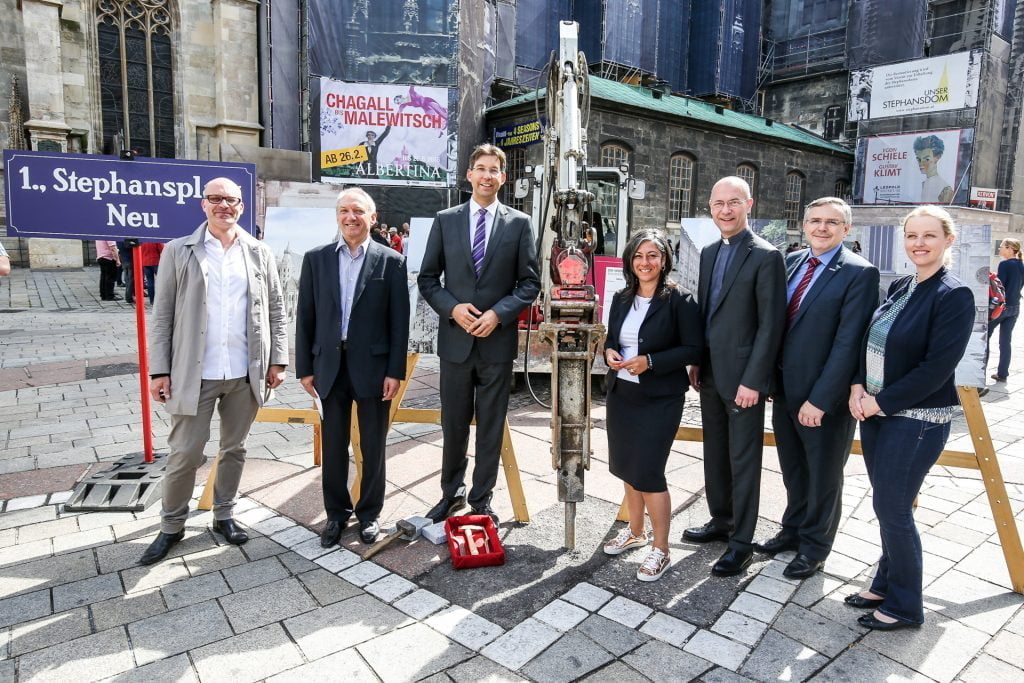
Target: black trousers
{"x":733,"y":444}
{"x":468,"y":388}
{"x":372,"y":414}
{"x":812,"y":461}
{"x":108,"y":276}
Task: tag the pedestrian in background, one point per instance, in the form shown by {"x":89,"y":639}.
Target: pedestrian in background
{"x":905,"y":398}
{"x":5,"y":262}
{"x":1011,"y":274}
{"x":124,"y":249}
{"x":654,"y":332}
{"x":150,"y":261}
{"x":108,"y":259}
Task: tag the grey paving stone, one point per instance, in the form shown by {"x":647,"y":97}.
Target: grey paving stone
{"x":7,"y":670}
{"x":778,"y":658}
{"x":939,"y":649}
{"x":327,"y":668}
{"x":177,"y":669}
{"x":520,"y":644}
{"x":625,"y":611}
{"x":421,"y":604}
{"x":363,"y":573}
{"x":464,"y":627}
{"x":338,"y":561}
{"x":143,"y":578}
{"x":293,"y":562}
{"x":720,"y":675}
{"x":978,"y":604}
{"x":265,"y":604}
{"x":214,"y":559}
{"x":260,"y":547}
{"x":588,"y":596}
{"x":423,"y":652}
{"x":178,"y":631}
{"x":247,"y":657}
{"x":49,"y":630}
{"x":572,"y":656}
{"x":661,"y":662}
{"x":194,"y":590}
{"x":561,"y":615}
{"x":327,"y":588}
{"x":56,"y":527}
{"x":612,"y":635}
{"x":310,"y":549}
{"x":668,"y":629}
{"x":988,"y":669}
{"x":810,"y":591}
{"x":616,"y":672}
{"x":86,"y":592}
{"x":342,"y":625}
{"x":272,"y":525}
{"x":864,"y":664}
{"x":815,"y":630}
{"x":292,"y":536}
{"x":390,"y":588}
{"x":85,"y":659}
{"x":127,"y":608}
{"x":482,"y":669}
{"x":772,"y":589}
{"x":251,"y":574}
{"x":739,"y":627}
{"x":24,"y":607}
{"x":755,"y":606}
{"x":1008,"y":647}
{"x":717,"y":649}
{"x":846,"y":568}
{"x":25,"y":502}
{"x":26,"y":552}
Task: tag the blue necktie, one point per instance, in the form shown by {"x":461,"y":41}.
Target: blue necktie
{"x":478,"y":241}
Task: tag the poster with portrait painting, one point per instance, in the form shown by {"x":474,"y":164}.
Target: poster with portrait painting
{"x":931,"y":167}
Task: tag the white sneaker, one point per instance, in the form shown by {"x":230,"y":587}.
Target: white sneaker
{"x":624,"y":541}
{"x":654,"y":565}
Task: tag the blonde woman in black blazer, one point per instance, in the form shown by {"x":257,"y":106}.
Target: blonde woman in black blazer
{"x":654,"y":332}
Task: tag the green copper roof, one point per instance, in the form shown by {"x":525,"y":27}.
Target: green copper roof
{"x":688,"y":108}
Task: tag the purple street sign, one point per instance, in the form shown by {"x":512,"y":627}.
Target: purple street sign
{"x":91,"y":196}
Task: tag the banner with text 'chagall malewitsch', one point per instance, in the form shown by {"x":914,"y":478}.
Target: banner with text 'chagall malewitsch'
{"x":386,"y":134}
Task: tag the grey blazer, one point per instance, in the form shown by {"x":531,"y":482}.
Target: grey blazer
{"x":176,"y":342}
{"x":508,"y":282}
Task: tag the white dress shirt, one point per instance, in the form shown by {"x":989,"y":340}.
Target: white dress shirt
{"x":474,"y":209}
{"x":629,"y":334}
{"x":349,"y":267}
{"x":227,"y":308}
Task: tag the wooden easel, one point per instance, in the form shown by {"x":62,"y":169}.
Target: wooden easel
{"x":397,"y":414}
{"x":983,"y":458}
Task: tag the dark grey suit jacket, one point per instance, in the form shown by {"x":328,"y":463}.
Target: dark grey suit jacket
{"x":745,"y":329}
{"x":821,"y":351}
{"x":508,"y":283}
{"x":378,"y":326}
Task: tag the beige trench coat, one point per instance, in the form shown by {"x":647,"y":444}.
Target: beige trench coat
{"x":178,"y":331}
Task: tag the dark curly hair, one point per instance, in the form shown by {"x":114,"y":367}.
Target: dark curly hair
{"x":660,"y":240}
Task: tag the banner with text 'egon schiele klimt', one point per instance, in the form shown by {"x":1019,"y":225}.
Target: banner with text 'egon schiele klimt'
{"x":385,"y":134}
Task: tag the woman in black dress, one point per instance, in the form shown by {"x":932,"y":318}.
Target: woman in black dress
{"x":654,"y":332}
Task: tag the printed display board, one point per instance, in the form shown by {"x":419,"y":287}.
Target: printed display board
{"x":384,"y":134}
{"x":915,"y":168}
{"x":920,"y":86}
{"x":94,"y":196}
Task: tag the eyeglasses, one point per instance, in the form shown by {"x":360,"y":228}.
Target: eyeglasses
{"x":221,"y":199}
{"x":818,"y":222}
{"x":732,"y":204}
{"x":487,"y":171}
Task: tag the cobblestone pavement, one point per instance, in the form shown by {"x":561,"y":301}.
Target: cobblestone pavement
{"x":75,"y":606}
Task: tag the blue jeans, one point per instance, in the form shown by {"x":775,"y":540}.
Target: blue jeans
{"x":898,"y":452}
{"x":150,"y":274}
{"x":1005,"y":323}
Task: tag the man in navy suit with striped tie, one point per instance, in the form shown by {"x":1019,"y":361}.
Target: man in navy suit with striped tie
{"x":487,"y":256}
{"x":831,"y":293}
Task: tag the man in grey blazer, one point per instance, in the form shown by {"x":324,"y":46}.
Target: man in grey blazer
{"x":486,"y":255}
{"x":351,"y":341}
{"x":742,"y":296}
{"x":219,"y":340}
{"x":831,"y":295}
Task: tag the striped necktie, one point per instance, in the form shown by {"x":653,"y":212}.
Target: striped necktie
{"x":479,"y":242}
{"x":801,"y":288}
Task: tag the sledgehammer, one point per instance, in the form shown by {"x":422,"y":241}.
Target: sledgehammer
{"x":406,"y":529}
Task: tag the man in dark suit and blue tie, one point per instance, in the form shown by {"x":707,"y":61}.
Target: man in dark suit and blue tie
{"x":351,"y":340}
{"x":486,"y":254}
{"x":831,"y":295}
{"x":742,"y":296}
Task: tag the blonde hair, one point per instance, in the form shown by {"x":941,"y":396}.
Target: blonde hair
{"x":1015,"y":245}
{"x":944,"y":219}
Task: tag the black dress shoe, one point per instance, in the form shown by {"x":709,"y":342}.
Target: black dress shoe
{"x":869,"y":621}
{"x":485,"y":509}
{"x":802,"y":567}
{"x":160,"y":546}
{"x":777,"y":544}
{"x":446,"y":508}
{"x":860,"y":602}
{"x":732,"y":562}
{"x":704,"y":534}
{"x":331,"y":533}
{"x":230,"y":531}
{"x":369,"y":531}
